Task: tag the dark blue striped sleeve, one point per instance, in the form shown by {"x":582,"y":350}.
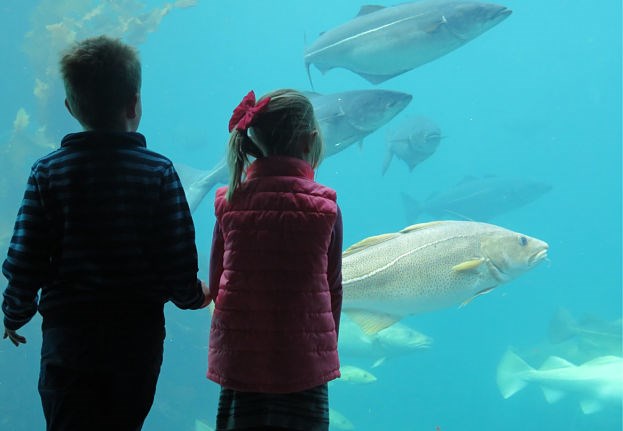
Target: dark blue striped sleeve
{"x":27,"y":266}
{"x":177,"y":255}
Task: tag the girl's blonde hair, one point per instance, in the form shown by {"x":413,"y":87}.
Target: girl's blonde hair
{"x":276,"y":131}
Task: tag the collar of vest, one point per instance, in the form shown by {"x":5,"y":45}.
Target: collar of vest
{"x":273,"y":166}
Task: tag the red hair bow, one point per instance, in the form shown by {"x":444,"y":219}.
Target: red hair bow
{"x":244,"y":114}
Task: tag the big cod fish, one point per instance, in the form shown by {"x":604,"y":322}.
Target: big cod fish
{"x":429,"y":266}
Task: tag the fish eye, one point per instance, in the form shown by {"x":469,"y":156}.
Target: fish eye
{"x":523,"y":240}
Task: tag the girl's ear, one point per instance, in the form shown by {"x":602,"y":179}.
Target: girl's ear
{"x":309,"y":142}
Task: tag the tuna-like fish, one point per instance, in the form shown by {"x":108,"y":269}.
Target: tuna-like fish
{"x":414,"y":141}
{"x":348,"y":117}
{"x":383,"y":42}
{"x":597,"y":382}
{"x":429,"y":266}
{"x":477,"y":198}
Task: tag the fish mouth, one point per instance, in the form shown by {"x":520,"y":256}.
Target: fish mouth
{"x":504,"y":13}
{"x":538,"y":257}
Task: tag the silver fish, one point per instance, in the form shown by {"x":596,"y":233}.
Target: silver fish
{"x":477,"y":198}
{"x":430,"y":266}
{"x":597,"y":382}
{"x":346,"y":118}
{"x":383,"y":42}
{"x":413,"y":141}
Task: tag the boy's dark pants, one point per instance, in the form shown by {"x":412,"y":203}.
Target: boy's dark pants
{"x":99,"y":375}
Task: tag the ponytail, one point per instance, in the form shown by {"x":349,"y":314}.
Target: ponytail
{"x":237,"y":159}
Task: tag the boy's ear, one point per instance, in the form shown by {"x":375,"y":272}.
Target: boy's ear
{"x":131,"y":108}
{"x":68,"y":107}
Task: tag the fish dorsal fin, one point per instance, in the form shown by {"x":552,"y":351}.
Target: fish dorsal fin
{"x":371,"y":322}
{"x":555,"y":362}
{"x":420,"y":226}
{"x":369,"y":8}
{"x":368,"y":242}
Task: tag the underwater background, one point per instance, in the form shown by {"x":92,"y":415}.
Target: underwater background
{"x":535,"y":98}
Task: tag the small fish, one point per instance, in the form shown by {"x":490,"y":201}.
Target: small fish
{"x":397,"y":340}
{"x":338,"y":421}
{"x":352,"y":374}
{"x":414,"y":141}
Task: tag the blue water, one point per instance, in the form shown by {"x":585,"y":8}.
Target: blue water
{"x":538,"y":96}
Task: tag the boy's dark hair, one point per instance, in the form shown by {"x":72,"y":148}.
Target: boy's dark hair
{"x":101,"y":76}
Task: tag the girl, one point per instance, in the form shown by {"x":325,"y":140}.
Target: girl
{"x":275,"y":272}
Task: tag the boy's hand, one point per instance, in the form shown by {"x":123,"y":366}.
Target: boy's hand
{"x":206,"y":293}
{"x":14,"y":337}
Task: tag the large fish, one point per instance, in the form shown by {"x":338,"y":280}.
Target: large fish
{"x":477,"y":198}
{"x":430,"y":266}
{"x":597,"y":382}
{"x":414,"y":141}
{"x":383,"y":42}
{"x":348,"y":117}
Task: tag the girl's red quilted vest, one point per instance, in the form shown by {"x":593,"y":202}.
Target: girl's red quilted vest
{"x":272,"y":328}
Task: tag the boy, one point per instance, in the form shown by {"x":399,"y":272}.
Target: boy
{"x":105,"y":232}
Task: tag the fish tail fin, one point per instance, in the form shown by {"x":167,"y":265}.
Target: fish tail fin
{"x":510,"y":374}
{"x":413,"y":209}
{"x":561,"y":326}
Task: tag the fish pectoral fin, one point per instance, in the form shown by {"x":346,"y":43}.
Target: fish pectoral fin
{"x":369,"y":8}
{"x":590,"y":406}
{"x":552,"y":395}
{"x":468,"y":265}
{"x":434,"y":26}
{"x":371,"y":322}
{"x":377,"y":79}
{"x":482,"y":292}
{"x":378,"y":362}
{"x":368,"y":242}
